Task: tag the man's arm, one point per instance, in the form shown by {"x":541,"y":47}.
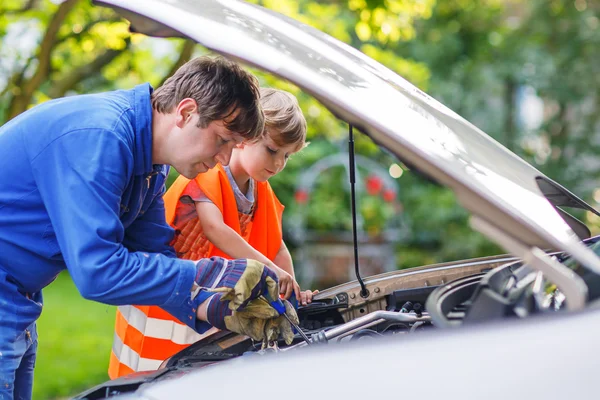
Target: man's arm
{"x":81,"y":177}
{"x":150,"y":231}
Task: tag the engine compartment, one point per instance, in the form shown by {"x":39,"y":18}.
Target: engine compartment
{"x":399,"y":303}
{"x":322,"y":321}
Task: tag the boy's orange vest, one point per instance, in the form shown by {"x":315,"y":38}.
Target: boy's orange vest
{"x":147,"y":335}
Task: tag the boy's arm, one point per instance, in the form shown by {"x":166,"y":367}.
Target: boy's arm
{"x":226,"y":239}
{"x":223,"y":236}
{"x":283,"y":260}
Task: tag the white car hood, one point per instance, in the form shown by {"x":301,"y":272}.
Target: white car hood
{"x":490,"y":181}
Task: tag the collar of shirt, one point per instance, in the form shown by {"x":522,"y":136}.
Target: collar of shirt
{"x":244,"y":201}
{"x":142,"y":109}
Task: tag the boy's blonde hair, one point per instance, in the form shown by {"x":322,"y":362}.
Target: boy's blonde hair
{"x":284,"y":121}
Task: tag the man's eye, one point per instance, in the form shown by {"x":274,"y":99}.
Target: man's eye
{"x":223,"y":140}
{"x":271,"y":151}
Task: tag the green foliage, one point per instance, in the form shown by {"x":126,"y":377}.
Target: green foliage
{"x":285,"y":183}
{"x":376,"y":213}
{"x":75,"y":338}
{"x":481,"y":53}
{"x":439,"y":226}
{"x":329,"y":205}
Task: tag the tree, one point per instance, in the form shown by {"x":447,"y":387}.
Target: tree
{"x":77,"y":48}
{"x":484,"y":55}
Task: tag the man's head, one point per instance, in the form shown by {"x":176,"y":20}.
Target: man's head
{"x":202,"y":111}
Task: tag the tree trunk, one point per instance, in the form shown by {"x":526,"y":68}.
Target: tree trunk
{"x":184,"y":56}
{"x":79,"y":74}
{"x":21,"y":100}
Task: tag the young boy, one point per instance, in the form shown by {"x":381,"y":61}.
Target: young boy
{"x":232,"y":212}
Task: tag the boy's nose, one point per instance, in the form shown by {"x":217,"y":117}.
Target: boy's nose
{"x":279,"y":163}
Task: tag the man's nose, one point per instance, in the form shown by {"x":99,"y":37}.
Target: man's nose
{"x":224,"y":155}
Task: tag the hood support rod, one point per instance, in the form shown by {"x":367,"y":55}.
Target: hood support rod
{"x":364,"y":292}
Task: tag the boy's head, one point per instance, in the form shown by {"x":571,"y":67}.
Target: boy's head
{"x":206,"y":108}
{"x":284,"y":121}
{"x":284,"y":135}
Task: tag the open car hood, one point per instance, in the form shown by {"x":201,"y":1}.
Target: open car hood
{"x":494,"y":184}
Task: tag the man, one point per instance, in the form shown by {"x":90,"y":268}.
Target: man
{"x":83,"y":179}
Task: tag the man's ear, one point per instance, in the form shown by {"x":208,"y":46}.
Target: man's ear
{"x":185,"y":111}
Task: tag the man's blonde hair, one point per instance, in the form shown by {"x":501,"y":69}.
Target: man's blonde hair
{"x":284,"y":121}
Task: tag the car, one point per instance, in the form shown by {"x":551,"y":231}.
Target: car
{"x":519,"y":325}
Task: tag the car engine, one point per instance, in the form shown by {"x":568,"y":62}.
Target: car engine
{"x":399,"y":303}
{"x":395,"y":305}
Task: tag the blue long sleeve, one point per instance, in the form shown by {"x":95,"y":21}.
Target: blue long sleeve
{"x":150,"y":232}
{"x":81,"y":177}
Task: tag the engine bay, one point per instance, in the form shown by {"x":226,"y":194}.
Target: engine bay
{"x":399,"y":303}
{"x":395,"y":306}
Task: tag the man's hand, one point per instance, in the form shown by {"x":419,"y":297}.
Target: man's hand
{"x":257,"y":319}
{"x":240,"y":281}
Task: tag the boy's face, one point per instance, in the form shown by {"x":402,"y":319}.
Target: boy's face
{"x":264,"y":158}
{"x":196,"y":150}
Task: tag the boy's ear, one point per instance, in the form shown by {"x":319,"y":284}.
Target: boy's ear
{"x":240,"y":145}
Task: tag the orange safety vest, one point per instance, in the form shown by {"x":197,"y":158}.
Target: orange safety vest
{"x":145,"y":336}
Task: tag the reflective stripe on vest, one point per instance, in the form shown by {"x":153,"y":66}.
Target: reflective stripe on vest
{"x":159,"y":328}
{"x":142,"y":342}
{"x":131,"y":359}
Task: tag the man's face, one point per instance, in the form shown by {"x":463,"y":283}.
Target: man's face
{"x":196,"y":150}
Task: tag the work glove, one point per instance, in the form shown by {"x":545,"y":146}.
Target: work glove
{"x":258,"y":319}
{"x":239,"y":281}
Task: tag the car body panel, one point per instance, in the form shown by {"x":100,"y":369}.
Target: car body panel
{"x":519,"y":360}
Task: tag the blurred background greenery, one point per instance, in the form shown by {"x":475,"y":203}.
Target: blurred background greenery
{"x":527,"y":72}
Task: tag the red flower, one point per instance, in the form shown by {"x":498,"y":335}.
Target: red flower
{"x":374,"y":185}
{"x":389,"y":195}
{"x":301,"y":196}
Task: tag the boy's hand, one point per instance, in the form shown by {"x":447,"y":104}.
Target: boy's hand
{"x":306,"y":296}
{"x":287,"y":284}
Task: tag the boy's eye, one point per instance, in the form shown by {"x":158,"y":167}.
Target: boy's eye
{"x":271,"y":151}
{"x":223,"y":140}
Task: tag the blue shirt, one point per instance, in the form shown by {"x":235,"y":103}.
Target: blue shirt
{"x":79,"y":191}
